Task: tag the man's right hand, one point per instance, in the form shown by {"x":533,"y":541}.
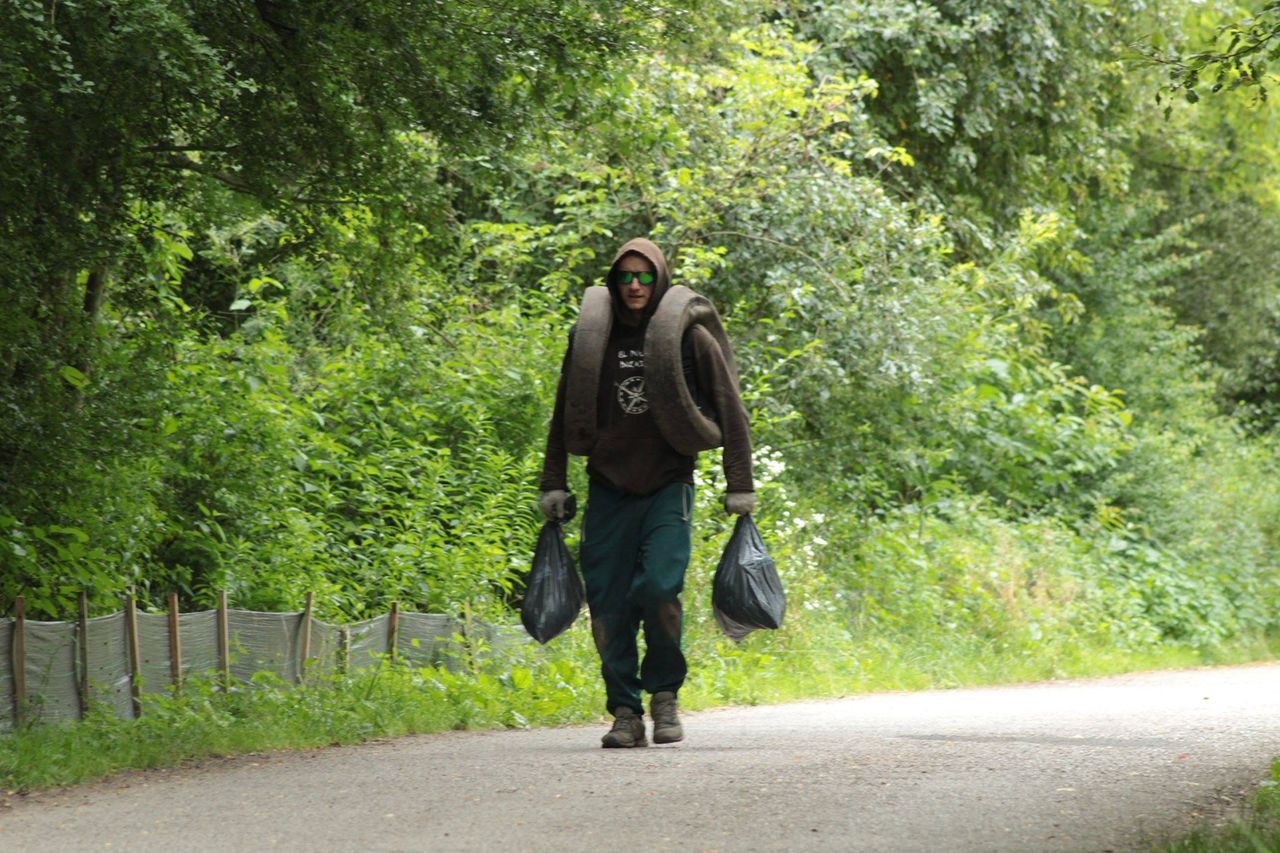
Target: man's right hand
{"x":553,"y":503}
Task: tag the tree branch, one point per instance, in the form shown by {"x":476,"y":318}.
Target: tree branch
{"x":817,"y":263}
{"x":173,"y":149}
{"x":186,"y":164}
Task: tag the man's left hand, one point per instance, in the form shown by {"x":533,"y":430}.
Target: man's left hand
{"x":739,"y":503}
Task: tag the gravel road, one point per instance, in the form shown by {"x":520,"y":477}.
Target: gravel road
{"x":1105,"y":764}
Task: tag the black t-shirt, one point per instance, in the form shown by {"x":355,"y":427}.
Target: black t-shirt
{"x":630,"y":453}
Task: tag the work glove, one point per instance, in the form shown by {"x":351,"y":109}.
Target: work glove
{"x":739,"y":503}
{"x":553,"y":504}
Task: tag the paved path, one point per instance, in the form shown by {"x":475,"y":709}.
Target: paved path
{"x":1104,"y":764}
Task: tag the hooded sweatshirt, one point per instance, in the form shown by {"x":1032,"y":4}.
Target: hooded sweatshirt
{"x":630,"y":453}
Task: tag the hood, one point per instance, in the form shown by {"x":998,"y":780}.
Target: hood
{"x":653,"y":255}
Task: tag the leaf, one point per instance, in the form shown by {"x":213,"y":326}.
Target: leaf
{"x":75,"y":533}
{"x":73,"y":377}
{"x":240,"y":304}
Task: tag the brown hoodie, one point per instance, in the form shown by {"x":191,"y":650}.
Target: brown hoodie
{"x":630,"y":454}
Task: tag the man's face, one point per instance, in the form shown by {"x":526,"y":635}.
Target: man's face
{"x":634,"y":294}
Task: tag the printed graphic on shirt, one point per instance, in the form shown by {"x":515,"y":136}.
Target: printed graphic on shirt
{"x":631,"y":396}
{"x":629,"y":358}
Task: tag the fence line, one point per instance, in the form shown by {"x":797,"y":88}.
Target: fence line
{"x":56,"y":671}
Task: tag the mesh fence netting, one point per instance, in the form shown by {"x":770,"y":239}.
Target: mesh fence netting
{"x":263,"y":642}
{"x":107,"y":650}
{"x":52,"y":688}
{"x":57,"y":668}
{"x":198,"y":633}
{"x":6,"y":673}
{"x":154,"y":663}
{"x":426,"y":639}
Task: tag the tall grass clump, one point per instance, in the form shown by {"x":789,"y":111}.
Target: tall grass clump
{"x":1255,"y":828}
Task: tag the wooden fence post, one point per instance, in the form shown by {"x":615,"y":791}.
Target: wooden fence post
{"x":468,"y":644}
{"x":82,"y":628}
{"x":304,"y":639}
{"x":224,"y":642}
{"x":393,"y":630}
{"x":135,"y":658}
{"x":19,"y":650}
{"x":175,"y":644}
{"x":344,"y":649}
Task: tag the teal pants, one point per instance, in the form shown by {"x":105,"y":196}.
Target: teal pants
{"x":635,"y":550}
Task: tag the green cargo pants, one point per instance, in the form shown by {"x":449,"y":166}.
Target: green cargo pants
{"x":634,"y":552}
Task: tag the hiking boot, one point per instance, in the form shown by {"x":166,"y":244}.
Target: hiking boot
{"x":666,"y":722}
{"x":627,"y":731}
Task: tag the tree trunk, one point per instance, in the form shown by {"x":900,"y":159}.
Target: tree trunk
{"x":94,"y":293}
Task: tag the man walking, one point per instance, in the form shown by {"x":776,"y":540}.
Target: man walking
{"x":636,"y":527}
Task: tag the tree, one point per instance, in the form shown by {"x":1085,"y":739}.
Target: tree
{"x":108,"y":104}
{"x":112,"y":111}
{"x":1250,"y":44}
{"x":126,"y":126}
{"x":1002,"y":105}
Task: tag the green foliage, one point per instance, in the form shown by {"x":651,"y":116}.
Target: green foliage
{"x":1000,"y":333}
{"x":522,"y":686}
{"x":410,"y":479}
{"x":202,"y":720}
{"x":1002,"y":105}
{"x":849,"y":311}
{"x":1237,"y":56}
{"x":125,"y":134}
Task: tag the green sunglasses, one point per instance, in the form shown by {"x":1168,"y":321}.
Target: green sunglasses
{"x":626,"y":277}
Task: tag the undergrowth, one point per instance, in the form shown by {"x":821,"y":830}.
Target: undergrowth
{"x":514,"y":688}
{"x":1255,"y":830}
{"x":912,"y":601}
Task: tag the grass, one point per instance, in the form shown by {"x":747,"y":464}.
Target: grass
{"x":1255,"y":830}
{"x":203,"y":720}
{"x":528,"y":686}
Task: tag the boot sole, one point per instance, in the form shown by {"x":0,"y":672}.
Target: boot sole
{"x":608,"y":745}
{"x":668,"y":738}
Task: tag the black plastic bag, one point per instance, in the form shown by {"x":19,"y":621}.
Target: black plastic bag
{"x":554,"y":594}
{"x":746,"y":592}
